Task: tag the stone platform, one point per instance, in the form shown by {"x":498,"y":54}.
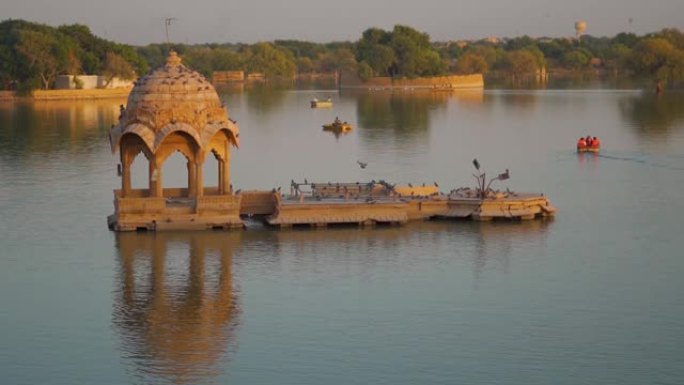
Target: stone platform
{"x":380,"y":203}
{"x":322,"y":205}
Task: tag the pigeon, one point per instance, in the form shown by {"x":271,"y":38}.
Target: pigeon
{"x":362,"y":164}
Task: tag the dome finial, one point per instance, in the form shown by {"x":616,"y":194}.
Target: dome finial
{"x":173,"y":59}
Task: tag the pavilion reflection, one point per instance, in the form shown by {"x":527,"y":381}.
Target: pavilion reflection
{"x":175,"y":306}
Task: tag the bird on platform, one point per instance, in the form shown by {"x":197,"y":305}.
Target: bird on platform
{"x":410,"y":185}
{"x":306,"y":181}
{"x":278,"y":188}
{"x":436,"y":185}
{"x":504,"y":176}
{"x":362,"y":164}
{"x":238,"y":191}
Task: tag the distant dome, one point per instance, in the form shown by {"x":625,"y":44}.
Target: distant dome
{"x":173,"y":98}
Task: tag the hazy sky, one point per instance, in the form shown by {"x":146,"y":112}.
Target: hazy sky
{"x":248,"y":21}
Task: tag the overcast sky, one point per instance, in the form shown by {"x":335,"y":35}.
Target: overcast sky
{"x":141,"y":22}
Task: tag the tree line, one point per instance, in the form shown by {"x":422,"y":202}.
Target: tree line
{"x":32,"y":55}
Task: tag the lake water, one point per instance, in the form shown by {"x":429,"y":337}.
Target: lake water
{"x":595,"y":296}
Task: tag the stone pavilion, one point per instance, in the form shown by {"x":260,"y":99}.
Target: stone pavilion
{"x":174,"y":108}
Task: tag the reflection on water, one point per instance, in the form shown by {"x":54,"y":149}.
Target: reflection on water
{"x":496,"y":241}
{"x":45,"y":127}
{"x":403,"y":111}
{"x":652,"y":114}
{"x":263,"y":98}
{"x":175,"y":305}
{"x":513,"y":100}
{"x":483,"y":245}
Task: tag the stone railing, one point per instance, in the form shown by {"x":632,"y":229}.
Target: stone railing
{"x":222,"y":204}
{"x":125,"y":206}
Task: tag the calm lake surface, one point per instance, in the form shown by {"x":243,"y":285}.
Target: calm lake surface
{"x":595,"y":296}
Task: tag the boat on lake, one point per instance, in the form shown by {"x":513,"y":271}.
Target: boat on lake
{"x":337,"y":126}
{"x":589,"y":144}
{"x":588,"y":149}
{"x":324,"y":103}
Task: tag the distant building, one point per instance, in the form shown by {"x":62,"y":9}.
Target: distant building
{"x":89,"y":82}
{"x":228,"y":76}
{"x":256,"y":76}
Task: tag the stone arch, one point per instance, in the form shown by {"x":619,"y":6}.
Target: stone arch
{"x":218,"y":144}
{"x":145,"y":133}
{"x":131,"y":144}
{"x":169,"y":129}
{"x":228,"y":128}
{"x":183,"y":142}
{"x":179,"y":141}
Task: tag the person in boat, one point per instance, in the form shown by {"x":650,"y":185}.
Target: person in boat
{"x":581,"y":144}
{"x":595,"y":143}
{"x":588,"y":140}
{"x":337,"y":120}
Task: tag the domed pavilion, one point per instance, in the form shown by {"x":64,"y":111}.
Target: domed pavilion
{"x":174,"y":108}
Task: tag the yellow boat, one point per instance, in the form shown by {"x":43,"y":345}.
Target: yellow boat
{"x":327,"y":103}
{"x":337,"y":127}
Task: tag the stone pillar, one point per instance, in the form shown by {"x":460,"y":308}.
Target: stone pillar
{"x":192,"y":179}
{"x":155,"y":179}
{"x":225,"y":171}
{"x":200,"y":184}
{"x":221,"y":187}
{"x":125,"y":174}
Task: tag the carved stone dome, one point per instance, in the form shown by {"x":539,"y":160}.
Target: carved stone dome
{"x":173,"y":98}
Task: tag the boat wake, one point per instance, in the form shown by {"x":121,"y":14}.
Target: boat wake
{"x":646,"y":160}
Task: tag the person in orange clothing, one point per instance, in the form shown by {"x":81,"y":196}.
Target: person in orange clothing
{"x":595,"y":143}
{"x":581,"y":144}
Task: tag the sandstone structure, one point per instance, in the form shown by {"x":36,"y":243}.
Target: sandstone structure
{"x":174,"y":109}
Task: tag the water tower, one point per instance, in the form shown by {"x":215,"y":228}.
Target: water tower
{"x":580,"y":28}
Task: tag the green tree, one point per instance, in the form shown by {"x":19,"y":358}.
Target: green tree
{"x":304,"y":65}
{"x":365,"y":71}
{"x":520,"y":63}
{"x":470,"y":63}
{"x":117,"y":67}
{"x":38,"y":50}
{"x":654,"y":57}
{"x":576,"y":59}
{"x":272,"y":62}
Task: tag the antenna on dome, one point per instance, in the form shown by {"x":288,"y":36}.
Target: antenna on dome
{"x":167,"y":23}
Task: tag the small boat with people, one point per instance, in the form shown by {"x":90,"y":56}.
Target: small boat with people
{"x":589,"y":144}
{"x":337,"y":126}
{"x":321,"y":103}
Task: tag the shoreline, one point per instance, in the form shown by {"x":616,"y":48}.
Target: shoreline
{"x":47,"y":95}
